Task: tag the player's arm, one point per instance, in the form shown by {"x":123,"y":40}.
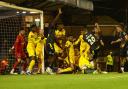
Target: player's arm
{"x":87,"y":49}
{"x":38,"y":39}
{"x":77,"y":41}
{"x":44,"y":40}
{"x":101,"y":42}
{"x":126,"y":37}
{"x":11,"y":49}
{"x":57,"y":17}
{"x":116,"y":41}
{"x":97,"y":26}
{"x":67,"y":44}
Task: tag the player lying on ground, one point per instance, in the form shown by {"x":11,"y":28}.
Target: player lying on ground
{"x":70,"y":59}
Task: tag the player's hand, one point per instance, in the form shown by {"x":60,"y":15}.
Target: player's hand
{"x":96,"y":24}
{"x":59,"y":58}
{"x":10,"y":50}
{"x":112,"y":42}
{"x":60,"y":12}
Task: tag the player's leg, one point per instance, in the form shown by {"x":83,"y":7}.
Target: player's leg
{"x":66,"y":70}
{"x":50,"y":64}
{"x":122,"y":52}
{"x":96,"y":63}
{"x":69,"y":68}
{"x":82,"y":64}
{"x":38,"y":56}
{"x":31,"y":64}
{"x":50,"y":57}
{"x":84,"y":58}
{"x":24,"y":65}
{"x":72,"y":60}
{"x":18,"y":60}
{"x":31,"y":52}
{"x":40,"y":60}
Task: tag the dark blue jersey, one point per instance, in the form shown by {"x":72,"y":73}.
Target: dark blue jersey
{"x":91,"y":39}
{"x":50,"y":40}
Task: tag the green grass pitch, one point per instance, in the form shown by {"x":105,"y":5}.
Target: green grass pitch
{"x":65,"y":81}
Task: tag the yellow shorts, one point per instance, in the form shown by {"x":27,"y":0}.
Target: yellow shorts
{"x":39,"y":53}
{"x":84,"y":62}
{"x":84,"y":48}
{"x":31,"y":50}
{"x":57,"y":48}
{"x":70,"y":60}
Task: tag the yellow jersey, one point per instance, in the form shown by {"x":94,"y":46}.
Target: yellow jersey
{"x":83,"y":45}
{"x":32,"y":38}
{"x":71,"y":52}
{"x":59,"y":33}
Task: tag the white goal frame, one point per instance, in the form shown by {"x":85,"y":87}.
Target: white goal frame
{"x":12,"y":6}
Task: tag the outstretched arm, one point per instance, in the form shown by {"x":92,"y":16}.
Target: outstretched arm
{"x":116,"y":41}
{"x":101,"y":42}
{"x":78,"y":40}
{"x":97,"y":26}
{"x":56,"y":18}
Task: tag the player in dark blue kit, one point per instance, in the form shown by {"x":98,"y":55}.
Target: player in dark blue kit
{"x":94,"y":40}
{"x":122,"y":39}
{"x":51,"y":39}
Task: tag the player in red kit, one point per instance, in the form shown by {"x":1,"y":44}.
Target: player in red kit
{"x":20,"y":55}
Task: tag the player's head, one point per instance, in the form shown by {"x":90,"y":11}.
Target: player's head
{"x":60,"y":27}
{"x":95,"y":30}
{"x":22,"y":32}
{"x":41,"y":32}
{"x":33,"y":28}
{"x":82,"y":32}
{"x":70,"y":38}
{"x":111,"y":52}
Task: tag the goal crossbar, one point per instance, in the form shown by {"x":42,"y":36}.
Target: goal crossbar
{"x":8,"y":5}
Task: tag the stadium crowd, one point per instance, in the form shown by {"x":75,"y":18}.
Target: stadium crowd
{"x":59,"y":53}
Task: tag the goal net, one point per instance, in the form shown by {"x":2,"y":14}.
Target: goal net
{"x":12,"y":19}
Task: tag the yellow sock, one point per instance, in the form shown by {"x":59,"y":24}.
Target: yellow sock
{"x":66,"y":70}
{"x":39,"y":67}
{"x":32,"y":63}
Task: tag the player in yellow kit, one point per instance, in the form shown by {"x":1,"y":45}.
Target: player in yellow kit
{"x":84,"y":62}
{"x":31,"y":47}
{"x":70,"y":59}
{"x":83,"y":44}
{"x":40,"y":51}
{"x":60,"y":32}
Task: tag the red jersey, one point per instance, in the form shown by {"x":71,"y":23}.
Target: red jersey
{"x":20,"y":46}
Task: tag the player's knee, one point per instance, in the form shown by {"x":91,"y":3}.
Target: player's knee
{"x":19,"y":60}
{"x":32,"y":58}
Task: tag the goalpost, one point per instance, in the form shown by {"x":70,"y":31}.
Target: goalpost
{"x":11,"y":20}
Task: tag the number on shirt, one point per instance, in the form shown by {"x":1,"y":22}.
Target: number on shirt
{"x":91,"y":39}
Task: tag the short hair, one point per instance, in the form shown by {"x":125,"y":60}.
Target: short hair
{"x":33,"y":27}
